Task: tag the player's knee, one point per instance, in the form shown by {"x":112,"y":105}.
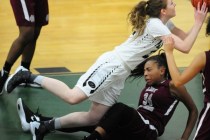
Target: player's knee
{"x":75,"y":96}
{"x":26,"y":35}
{"x":73,"y":101}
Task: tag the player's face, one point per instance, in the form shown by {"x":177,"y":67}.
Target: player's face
{"x":152,"y":73}
{"x":170,"y":9}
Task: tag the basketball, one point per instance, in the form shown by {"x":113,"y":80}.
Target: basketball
{"x":195,"y":3}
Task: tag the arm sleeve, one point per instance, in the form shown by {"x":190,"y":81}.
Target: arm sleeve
{"x":170,"y":25}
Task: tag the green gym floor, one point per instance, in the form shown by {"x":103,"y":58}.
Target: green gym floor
{"x":49,"y":105}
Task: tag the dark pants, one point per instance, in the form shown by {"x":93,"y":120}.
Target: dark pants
{"x":124,"y":123}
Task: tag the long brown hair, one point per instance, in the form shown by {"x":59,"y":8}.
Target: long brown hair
{"x":142,"y":11}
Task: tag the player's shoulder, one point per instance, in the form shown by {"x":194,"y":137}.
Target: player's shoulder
{"x":155,"y":24}
{"x":202,"y":56}
{"x":154,"y":21}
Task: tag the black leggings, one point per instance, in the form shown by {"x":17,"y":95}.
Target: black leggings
{"x":123,"y":122}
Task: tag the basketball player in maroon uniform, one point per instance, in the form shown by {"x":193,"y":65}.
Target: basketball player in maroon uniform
{"x":201,"y":63}
{"x":30,"y":16}
{"x":157,"y":104}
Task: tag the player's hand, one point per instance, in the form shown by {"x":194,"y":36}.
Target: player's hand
{"x":200,"y":13}
{"x":168,"y":44}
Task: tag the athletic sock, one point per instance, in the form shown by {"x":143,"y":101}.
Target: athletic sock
{"x":53,"y":124}
{"x":7,"y":66}
{"x":26,"y":64}
{"x":57,"y":124}
{"x":36,"y":79}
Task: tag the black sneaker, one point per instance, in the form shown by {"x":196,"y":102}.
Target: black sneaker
{"x":3,"y":77}
{"x":26,"y":115}
{"x":16,"y":79}
{"x":34,"y":85}
{"x":38,"y":130}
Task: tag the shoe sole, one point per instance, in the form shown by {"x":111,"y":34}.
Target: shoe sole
{"x":25,"y":125}
{"x":30,"y":85}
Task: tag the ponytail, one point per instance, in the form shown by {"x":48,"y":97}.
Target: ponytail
{"x":137,"y":17}
{"x":142,"y":11}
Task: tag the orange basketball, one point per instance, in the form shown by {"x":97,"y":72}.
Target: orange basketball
{"x":195,"y":3}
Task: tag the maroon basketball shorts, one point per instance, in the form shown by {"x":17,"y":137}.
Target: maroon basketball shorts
{"x":203,"y":126}
{"x":30,"y":12}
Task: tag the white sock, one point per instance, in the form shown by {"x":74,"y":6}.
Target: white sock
{"x":57,"y":123}
{"x":38,"y":79}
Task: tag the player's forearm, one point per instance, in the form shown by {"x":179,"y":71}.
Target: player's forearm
{"x":190,"y":123}
{"x":190,"y":39}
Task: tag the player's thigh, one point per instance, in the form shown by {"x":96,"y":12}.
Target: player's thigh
{"x":24,"y":12}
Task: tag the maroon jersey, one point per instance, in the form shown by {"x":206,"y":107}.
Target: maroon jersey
{"x":206,"y":78}
{"x":203,"y":129}
{"x":157,"y":105}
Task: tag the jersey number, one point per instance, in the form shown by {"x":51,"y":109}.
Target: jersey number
{"x":147,"y":99}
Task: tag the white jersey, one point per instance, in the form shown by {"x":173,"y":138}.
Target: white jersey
{"x":105,"y":79}
{"x":137,"y":48}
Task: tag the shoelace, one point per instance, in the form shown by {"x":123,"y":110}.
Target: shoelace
{"x":37,"y":113}
{"x":26,"y":82}
{"x":36,"y":116}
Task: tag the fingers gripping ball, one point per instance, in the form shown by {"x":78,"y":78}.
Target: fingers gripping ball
{"x":195,"y":3}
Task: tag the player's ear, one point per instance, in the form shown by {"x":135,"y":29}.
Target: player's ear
{"x":163,"y":11}
{"x":162,"y":70}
